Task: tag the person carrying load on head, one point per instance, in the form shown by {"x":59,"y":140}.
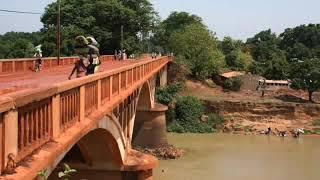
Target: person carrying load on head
{"x":38,"y":56}
{"x":93,"y":56}
{"x":82,"y":51}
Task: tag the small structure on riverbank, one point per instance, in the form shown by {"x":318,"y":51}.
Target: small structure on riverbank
{"x":275,"y":84}
{"x":250,"y":81}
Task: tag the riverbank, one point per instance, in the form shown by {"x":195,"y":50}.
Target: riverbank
{"x":248,"y":113}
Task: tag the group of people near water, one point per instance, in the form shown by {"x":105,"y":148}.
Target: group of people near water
{"x":87,"y":50}
{"x":295,"y":133}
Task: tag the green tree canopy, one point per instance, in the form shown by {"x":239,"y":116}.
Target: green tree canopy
{"x":236,"y":59}
{"x":175,"y":22}
{"x":18,"y":44}
{"x":306,"y":75}
{"x":103,"y":20}
{"x":270,"y":60}
{"x":196,"y":47}
{"x":302,"y":41}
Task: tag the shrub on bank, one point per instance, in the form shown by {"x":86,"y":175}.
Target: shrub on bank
{"x":216,"y":121}
{"x":167,"y":94}
{"x":233,"y":84}
{"x":188,"y":112}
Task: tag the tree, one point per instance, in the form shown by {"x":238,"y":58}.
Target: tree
{"x":196,"y":47}
{"x":103,"y":20}
{"x":229,"y":45}
{"x":301,"y":42}
{"x":269,"y":60}
{"x":175,"y":22}
{"x":306,"y":75}
{"x":18,"y":45}
{"x":236,"y":59}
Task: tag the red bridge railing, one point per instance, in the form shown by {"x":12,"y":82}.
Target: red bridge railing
{"x":31,"y":118}
{"x":27,"y":64}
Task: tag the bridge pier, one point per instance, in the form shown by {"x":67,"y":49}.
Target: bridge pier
{"x":164,"y":76}
{"x":150,"y":127}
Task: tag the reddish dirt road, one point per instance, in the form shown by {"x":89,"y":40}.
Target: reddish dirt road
{"x":22,"y":81}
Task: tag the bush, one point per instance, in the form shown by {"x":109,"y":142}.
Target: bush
{"x":215,"y":121}
{"x":233,"y":84}
{"x":316,"y":122}
{"x":189,"y":108}
{"x":174,"y":126}
{"x":188,"y":112}
{"x":186,"y":117}
{"x":167,"y":94}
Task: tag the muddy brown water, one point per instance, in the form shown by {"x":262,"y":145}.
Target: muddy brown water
{"x":239,"y":157}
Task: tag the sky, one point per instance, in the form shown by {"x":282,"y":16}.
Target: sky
{"x":239,"y":19}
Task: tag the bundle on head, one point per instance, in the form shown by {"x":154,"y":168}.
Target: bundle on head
{"x":81,"y":41}
{"x":92,"y":41}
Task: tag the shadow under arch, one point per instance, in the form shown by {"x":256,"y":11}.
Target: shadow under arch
{"x":144,"y":103}
{"x":102,"y":148}
{"x":144,"y":98}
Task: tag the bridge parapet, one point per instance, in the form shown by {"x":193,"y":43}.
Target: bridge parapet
{"x":31,"y":118}
{"x":27,"y":64}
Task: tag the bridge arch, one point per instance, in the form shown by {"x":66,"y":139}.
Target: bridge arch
{"x":100,"y":148}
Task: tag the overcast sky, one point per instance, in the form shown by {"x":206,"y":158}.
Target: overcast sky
{"x":236,"y":18}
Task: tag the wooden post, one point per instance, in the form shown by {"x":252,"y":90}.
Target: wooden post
{"x":1,"y":67}
{"x":56,"y":117}
{"x":82,"y":102}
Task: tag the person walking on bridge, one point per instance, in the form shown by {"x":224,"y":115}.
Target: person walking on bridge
{"x":93,"y":56}
{"x":38,"y":56}
{"x":81,"y":50}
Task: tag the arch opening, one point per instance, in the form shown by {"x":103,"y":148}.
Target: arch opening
{"x":97,"y":151}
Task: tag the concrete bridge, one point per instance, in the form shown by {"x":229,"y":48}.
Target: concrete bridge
{"x":89,"y":123}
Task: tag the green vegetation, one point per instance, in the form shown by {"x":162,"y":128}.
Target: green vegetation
{"x":196,"y":47}
{"x":236,"y":58}
{"x":101,"y":19}
{"x":167,"y":94}
{"x":65,"y":174}
{"x":189,"y":112}
{"x":306,"y":75}
{"x":316,"y":122}
{"x":233,"y":84}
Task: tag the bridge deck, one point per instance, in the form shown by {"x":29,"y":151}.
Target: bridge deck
{"x":22,"y":81}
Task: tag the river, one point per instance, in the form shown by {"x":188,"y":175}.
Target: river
{"x":239,"y":157}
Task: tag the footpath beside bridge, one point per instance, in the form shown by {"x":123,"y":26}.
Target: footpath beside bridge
{"x":89,"y":123}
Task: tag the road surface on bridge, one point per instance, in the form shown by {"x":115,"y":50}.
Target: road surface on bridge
{"x":21,"y":81}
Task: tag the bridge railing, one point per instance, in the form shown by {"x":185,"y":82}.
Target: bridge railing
{"x":27,"y":64}
{"x":31,"y":118}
